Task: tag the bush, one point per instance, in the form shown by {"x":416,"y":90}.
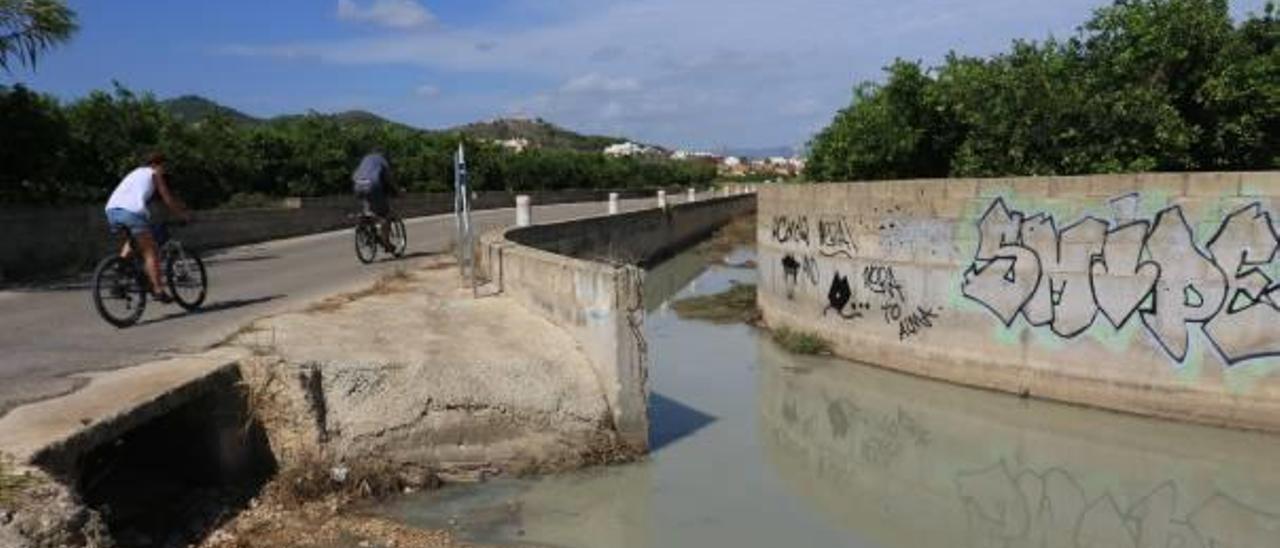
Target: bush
{"x":797,"y":342}
{"x":53,"y":153}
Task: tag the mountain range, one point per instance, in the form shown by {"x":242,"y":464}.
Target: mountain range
{"x":537,"y":132}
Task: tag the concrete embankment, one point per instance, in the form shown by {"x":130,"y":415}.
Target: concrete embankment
{"x":61,"y":239}
{"x":583,"y":276}
{"x":1153,"y":294}
{"x":405,"y":383}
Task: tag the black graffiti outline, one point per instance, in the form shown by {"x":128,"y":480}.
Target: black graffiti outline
{"x":1265,"y":295}
{"x":839,"y":297}
{"x":977,"y":269}
{"x":790,"y":229}
{"x":835,"y":253}
{"x":1155,"y":302}
{"x":1056,"y":293}
{"x":916,"y":323}
{"x":1101,"y":260}
{"x":883,"y":280}
{"x":1029,"y":510}
{"x":1203,"y":299}
{"x":834,"y":236}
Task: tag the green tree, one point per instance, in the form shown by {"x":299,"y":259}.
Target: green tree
{"x":29,"y":27}
{"x":1143,"y":85}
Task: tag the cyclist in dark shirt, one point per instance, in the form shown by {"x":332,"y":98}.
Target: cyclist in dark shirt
{"x":373,"y":184}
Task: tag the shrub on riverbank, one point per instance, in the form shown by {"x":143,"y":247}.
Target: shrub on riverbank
{"x":737,"y":305}
{"x":798,"y":342}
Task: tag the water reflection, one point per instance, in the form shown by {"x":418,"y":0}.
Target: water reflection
{"x":754,"y":447}
{"x":911,"y":462}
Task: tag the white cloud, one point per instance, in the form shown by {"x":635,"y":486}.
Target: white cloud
{"x":427,"y":90}
{"x":596,"y":83}
{"x":704,"y":73}
{"x":400,"y":14}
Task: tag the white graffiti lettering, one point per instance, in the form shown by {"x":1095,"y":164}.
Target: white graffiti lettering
{"x":1027,"y":267}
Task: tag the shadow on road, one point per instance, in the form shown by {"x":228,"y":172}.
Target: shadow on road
{"x":219,"y":306}
{"x":215,"y":260}
{"x":670,"y":421}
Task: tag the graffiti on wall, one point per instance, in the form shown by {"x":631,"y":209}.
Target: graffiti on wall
{"x":834,"y":234}
{"x":835,"y":239}
{"x":878,"y":289}
{"x":1052,"y":509}
{"x":1152,"y":270}
{"x":788,"y":229}
{"x":794,"y":270}
{"x":840,"y":299}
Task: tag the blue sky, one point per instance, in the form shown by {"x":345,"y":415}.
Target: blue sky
{"x":692,"y":73}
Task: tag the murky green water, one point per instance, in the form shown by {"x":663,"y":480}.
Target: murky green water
{"x":754,"y":447}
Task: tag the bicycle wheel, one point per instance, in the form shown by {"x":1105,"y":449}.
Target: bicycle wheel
{"x":399,"y":238}
{"x":119,"y":291}
{"x":187,"y":278}
{"x":366,"y":242}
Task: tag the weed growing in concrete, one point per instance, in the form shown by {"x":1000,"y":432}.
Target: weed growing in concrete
{"x":798,"y":342}
{"x":396,"y":281}
{"x":737,"y":305}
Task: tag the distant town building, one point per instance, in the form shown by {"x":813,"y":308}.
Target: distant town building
{"x":519,"y":144}
{"x":629,"y":149}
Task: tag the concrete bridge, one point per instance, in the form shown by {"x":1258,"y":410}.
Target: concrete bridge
{"x":50,"y":332}
{"x":410,"y":372}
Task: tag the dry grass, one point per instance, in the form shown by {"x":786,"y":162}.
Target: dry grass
{"x":737,"y":305}
{"x":798,"y":342}
{"x":312,"y":478}
{"x":396,"y":281}
{"x":12,"y":484}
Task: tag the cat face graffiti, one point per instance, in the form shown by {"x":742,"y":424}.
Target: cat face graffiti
{"x":840,"y":293}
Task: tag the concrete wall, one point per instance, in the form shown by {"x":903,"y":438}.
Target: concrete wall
{"x":52,"y":241}
{"x":583,"y":276}
{"x":1154,"y":294}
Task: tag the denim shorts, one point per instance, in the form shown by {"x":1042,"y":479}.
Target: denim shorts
{"x":135,"y":222}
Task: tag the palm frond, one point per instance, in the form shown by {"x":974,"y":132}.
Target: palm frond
{"x":30,"y":27}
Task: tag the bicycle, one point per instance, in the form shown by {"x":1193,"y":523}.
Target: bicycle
{"x":121,"y":287}
{"x":368,"y":243}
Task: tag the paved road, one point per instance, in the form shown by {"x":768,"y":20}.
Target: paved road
{"x":51,"y":332}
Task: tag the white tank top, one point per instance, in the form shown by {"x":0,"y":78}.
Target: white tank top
{"x":134,"y":191}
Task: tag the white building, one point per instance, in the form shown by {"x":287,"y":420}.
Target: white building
{"x":627,"y":149}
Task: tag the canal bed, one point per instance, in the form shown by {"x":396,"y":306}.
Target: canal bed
{"x":756,"y":447}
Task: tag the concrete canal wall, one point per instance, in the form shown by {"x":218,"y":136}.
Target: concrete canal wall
{"x":1153,"y":294}
{"x":582,"y":275}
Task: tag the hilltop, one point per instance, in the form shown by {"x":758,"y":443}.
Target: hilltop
{"x":194,"y":108}
{"x":537,"y":132}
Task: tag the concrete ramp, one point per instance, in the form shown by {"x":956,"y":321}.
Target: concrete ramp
{"x":55,"y":432}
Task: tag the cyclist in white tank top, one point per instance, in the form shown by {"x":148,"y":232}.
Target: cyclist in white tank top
{"x":133,"y":193}
{"x":127,"y":210}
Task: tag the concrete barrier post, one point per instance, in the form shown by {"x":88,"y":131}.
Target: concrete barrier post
{"x":693,"y":194}
{"x":613,"y":203}
{"x":524,"y":210}
{"x":662,"y":199}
